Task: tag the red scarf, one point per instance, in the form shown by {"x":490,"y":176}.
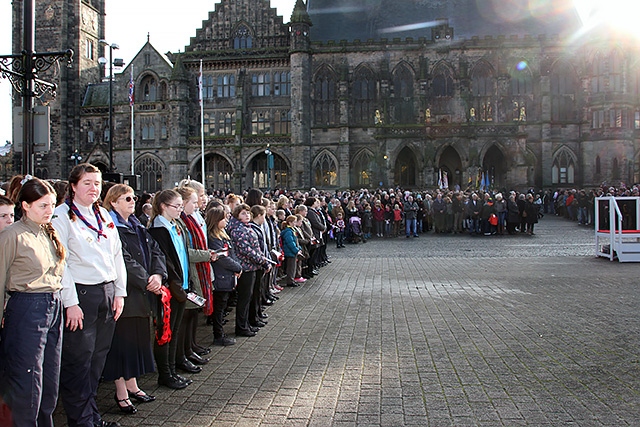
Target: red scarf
{"x":203,"y":268}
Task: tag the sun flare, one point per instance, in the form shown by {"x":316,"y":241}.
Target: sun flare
{"x":621,"y":15}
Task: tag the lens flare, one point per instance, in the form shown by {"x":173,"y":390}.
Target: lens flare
{"x":521,"y":65}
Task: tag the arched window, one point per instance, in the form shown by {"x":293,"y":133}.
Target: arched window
{"x":363,"y":169}
{"x":149,"y":87}
{"x":148,"y":128}
{"x":365,"y":96}
{"x":482,"y":91}
{"x":563,"y":168}
{"x":521,"y":81}
{"x":218,"y":171}
{"x":325,"y":99}
{"x":607,"y":73}
{"x":242,"y":38}
{"x":442,"y":84}
{"x":403,"y":91}
{"x":563,"y":93}
{"x":279,"y":175}
{"x":150,"y":171}
{"x":325,"y":172}
{"x":615,"y":169}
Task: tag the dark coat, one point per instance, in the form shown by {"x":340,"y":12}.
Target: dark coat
{"x":224,"y":267}
{"x":318,"y":224}
{"x":139,"y":301}
{"x":513,"y":212}
{"x":532,"y":211}
{"x":174,"y":269}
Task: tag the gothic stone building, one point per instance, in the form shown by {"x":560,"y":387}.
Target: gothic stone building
{"x":350,"y":96}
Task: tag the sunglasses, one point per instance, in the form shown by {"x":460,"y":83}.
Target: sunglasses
{"x":130,"y":198}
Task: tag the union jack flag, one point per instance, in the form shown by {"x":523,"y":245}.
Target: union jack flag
{"x":131,"y":87}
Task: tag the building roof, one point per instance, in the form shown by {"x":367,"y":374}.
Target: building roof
{"x":97,"y":95}
{"x":371,"y":19}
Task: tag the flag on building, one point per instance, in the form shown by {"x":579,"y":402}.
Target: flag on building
{"x":131,"y":89}
{"x":440,"y":179}
{"x":445,"y":180}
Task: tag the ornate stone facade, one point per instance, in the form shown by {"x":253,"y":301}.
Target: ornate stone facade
{"x":526,"y":111}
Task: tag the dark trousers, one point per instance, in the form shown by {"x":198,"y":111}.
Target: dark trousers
{"x":84,"y":352}
{"x":186,"y":334}
{"x":219,"y":304}
{"x":165,"y":355}
{"x":30,"y":357}
{"x":290,"y":268}
{"x":245,"y":291}
{"x":255,"y":308}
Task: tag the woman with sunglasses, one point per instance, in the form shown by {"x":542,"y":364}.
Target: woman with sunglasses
{"x":32,"y":261}
{"x":172,"y":239}
{"x":131,"y":353}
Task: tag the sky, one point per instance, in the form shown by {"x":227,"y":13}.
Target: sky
{"x":170,"y":25}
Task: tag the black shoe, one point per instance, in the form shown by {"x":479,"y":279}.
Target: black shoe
{"x":141,"y":397}
{"x":263,"y":316}
{"x":315,"y":272}
{"x":254,"y":328}
{"x":293,"y":285}
{"x":189,"y":367}
{"x":187,"y":381}
{"x":268,"y":302}
{"x":273,"y":297}
{"x":197,"y":360}
{"x":172,"y":382}
{"x":248,"y":333}
{"x":201,"y":351}
{"x":224,"y":341}
{"x":259,"y":324}
{"x":128,"y":408}
{"x":225,"y":321}
{"x":104,"y":423}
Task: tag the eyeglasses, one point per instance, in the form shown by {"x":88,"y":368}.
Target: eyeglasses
{"x":7,"y":215}
{"x":129,"y":199}
{"x":178,"y":207}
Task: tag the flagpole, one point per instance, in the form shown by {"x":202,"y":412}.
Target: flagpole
{"x":131,"y":99}
{"x":204,"y":181}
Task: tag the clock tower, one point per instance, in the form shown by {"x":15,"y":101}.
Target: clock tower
{"x":62,"y":25}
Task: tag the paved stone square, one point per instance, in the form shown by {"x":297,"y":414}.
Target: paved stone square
{"x":430,"y":331}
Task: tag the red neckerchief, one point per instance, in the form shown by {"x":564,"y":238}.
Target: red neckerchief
{"x":96,"y":212}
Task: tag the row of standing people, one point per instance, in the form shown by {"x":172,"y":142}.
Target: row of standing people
{"x":72,"y":269}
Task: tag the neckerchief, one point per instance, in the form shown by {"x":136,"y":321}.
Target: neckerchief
{"x":203,"y":269}
{"x":96,"y":212}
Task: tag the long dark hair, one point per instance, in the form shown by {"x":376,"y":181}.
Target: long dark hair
{"x":34,"y":190}
{"x":74,"y":178}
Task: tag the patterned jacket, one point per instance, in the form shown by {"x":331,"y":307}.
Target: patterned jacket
{"x":246,"y":246}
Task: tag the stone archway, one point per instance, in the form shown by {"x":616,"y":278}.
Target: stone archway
{"x":495,"y":165}
{"x":405,"y":168}
{"x":218,"y":171}
{"x":451,"y":163}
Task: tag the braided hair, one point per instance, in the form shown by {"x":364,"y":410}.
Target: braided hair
{"x":74,"y":178}
{"x":34,"y":190}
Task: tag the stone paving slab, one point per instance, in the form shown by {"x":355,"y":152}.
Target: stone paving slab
{"x":430,"y":331}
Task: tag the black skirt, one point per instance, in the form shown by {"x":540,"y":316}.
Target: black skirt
{"x":131,"y":353}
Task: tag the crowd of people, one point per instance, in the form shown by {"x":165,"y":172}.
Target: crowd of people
{"x":98,"y":283}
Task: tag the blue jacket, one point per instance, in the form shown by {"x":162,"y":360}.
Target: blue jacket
{"x":289,"y":243}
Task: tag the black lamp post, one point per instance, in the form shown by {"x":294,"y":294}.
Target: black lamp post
{"x":112,"y":46}
{"x":76,"y":157}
